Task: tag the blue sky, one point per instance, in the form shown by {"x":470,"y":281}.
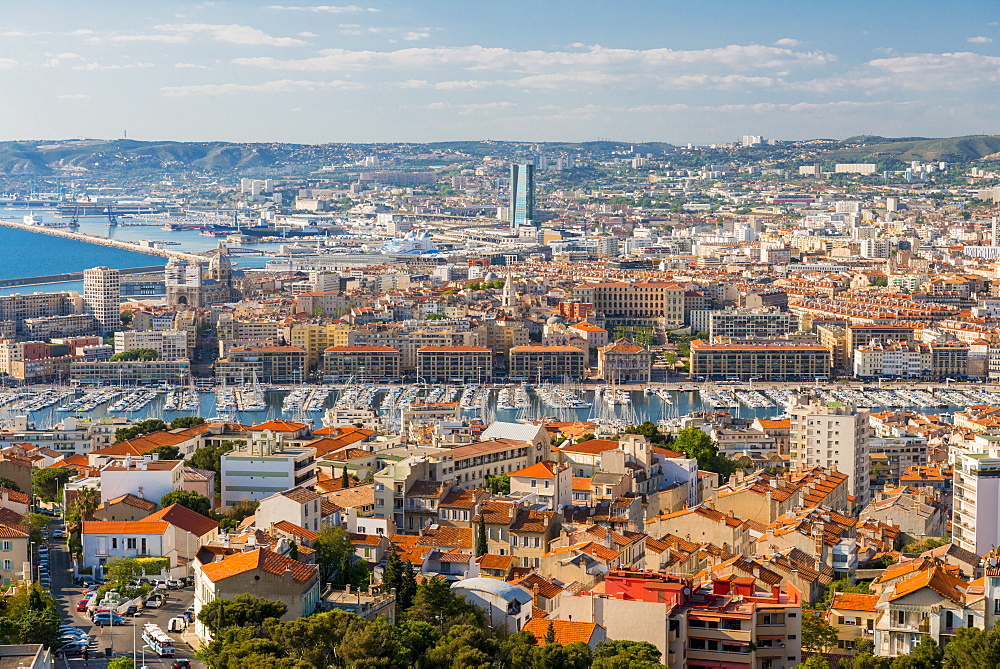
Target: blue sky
{"x":428,"y":70}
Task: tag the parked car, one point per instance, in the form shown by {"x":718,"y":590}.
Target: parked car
{"x":45,"y":582}
{"x":181,"y":664}
{"x":132,"y":610}
{"x":154,"y":602}
{"x":174,"y":584}
{"x":82,"y":605}
{"x":75,"y":631}
{"x":83,"y":581}
{"x":73,"y":647}
{"x":109,"y":618}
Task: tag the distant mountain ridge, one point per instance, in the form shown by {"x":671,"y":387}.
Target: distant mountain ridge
{"x":82,"y":157}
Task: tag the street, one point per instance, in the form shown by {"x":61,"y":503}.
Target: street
{"x":125,"y":639}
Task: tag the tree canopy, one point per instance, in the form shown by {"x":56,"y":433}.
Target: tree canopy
{"x":186,"y":421}
{"x":240,"y":611}
{"x":136,"y":354}
{"x":189,"y":499}
{"x":139,"y":429}
{"x":48,"y":483}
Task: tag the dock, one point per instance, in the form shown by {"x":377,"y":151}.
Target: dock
{"x":103,"y":241}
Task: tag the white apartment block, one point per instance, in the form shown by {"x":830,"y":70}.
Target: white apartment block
{"x":264,"y":466}
{"x":976,"y":514}
{"x":168,"y":344}
{"x":102,"y":296}
{"x":834,"y":436}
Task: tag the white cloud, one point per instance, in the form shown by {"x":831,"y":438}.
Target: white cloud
{"x":164,"y":39}
{"x":307,"y":34}
{"x":932,"y":71}
{"x":95,"y":67}
{"x":279,"y":86}
{"x":788,"y":41}
{"x":233,"y":34}
{"x":191,"y":66}
{"x":504,"y":60}
{"x":979,"y":39}
{"x":413,"y":36}
{"x":7,"y":63}
{"x":328,"y":9}
{"x":350,"y":29}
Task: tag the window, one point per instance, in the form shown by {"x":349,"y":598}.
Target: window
{"x":770,"y":618}
{"x":114,"y":542}
{"x":7,"y":545}
{"x":130,"y":544}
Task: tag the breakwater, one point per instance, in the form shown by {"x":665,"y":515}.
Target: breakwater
{"x":70,"y":276}
{"x":102,"y":241}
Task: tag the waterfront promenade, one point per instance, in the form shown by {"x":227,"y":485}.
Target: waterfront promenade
{"x":102,"y":241}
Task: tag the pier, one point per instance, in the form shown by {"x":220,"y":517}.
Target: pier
{"x":103,"y":241}
{"x":71,"y":276}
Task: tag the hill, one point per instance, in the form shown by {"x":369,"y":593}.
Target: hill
{"x":905,"y":149}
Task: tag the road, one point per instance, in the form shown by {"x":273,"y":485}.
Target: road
{"x":123,"y":639}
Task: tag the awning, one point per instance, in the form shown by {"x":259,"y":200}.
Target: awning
{"x":708,"y":618}
{"x":697,"y":664}
{"x":770,"y":637}
{"x":730,"y":642}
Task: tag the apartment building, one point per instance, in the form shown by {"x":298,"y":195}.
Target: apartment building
{"x":976,"y":504}
{"x":134,"y":372}
{"x":741,"y":323}
{"x":168,"y":344}
{"x":553,"y":363}
{"x":454,"y":363}
{"x":18,"y":308}
{"x":315,"y":338}
{"x":735,"y":621}
{"x":270,"y":364}
{"x":268,"y":463}
{"x":625,"y":362}
{"x":774,"y":360}
{"x":833,"y":436}
{"x":377,"y":362}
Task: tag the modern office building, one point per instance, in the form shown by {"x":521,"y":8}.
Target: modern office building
{"x":522,"y":195}
{"x":102,"y":296}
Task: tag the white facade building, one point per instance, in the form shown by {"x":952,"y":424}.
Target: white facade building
{"x":834,"y":436}
{"x":102,"y":296}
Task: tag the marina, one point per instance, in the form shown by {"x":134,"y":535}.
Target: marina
{"x":252,"y":402}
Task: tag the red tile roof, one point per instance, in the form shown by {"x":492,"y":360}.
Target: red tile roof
{"x":262,"y":559}
{"x":185,"y":519}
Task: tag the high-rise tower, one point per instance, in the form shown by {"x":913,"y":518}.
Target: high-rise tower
{"x":522,"y":195}
{"x":102,"y":297}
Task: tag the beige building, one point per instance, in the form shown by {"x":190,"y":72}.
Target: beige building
{"x":624,"y":362}
{"x":833,"y":436}
{"x":546,"y":363}
{"x":454,"y":363}
{"x":343,"y":362}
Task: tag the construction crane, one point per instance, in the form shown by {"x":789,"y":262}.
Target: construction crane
{"x":112,"y":216}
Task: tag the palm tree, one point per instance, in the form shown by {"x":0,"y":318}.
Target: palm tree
{"x":84,"y":506}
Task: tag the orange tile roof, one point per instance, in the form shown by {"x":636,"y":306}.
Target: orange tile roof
{"x":454,"y":349}
{"x":120,"y":527}
{"x":289,"y":527}
{"x":184,"y":518}
{"x":852,"y":601}
{"x":361,"y":349}
{"x":15,"y":496}
{"x":142,"y":445}
{"x":937,"y":579}
{"x":546,"y":349}
{"x":262,"y":559}
{"x":566,"y":631}
{"x":544,"y":469}
{"x":494,"y":561}
{"x":591,"y":446}
{"x":146,"y":505}
{"x":278,"y":425}
{"x":581,"y":484}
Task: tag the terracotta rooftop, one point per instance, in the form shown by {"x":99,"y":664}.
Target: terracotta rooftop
{"x":278,"y":426}
{"x":262,"y":559}
{"x":185,"y":518}
{"x":120,"y":527}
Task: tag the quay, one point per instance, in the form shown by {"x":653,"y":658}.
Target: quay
{"x":103,"y":241}
{"x":71,"y":276}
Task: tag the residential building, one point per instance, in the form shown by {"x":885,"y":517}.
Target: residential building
{"x":298,"y":505}
{"x":743,"y":323}
{"x":269,"y":364}
{"x":102,"y":296}
{"x":505,"y":604}
{"x":454,"y":363}
{"x":771,"y":360}
{"x":145,"y":477}
{"x":133,"y":372}
{"x":268,"y":463}
{"x":168,"y":344}
{"x":833,"y":436}
{"x":624,"y":362}
{"x":261,"y":573}
{"x":551,"y":363}
{"x":363,"y":362}
{"x":975,"y":517}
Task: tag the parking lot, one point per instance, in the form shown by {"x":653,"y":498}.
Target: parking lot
{"x":122,"y":639}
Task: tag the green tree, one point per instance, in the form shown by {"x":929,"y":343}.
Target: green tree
{"x":189,"y":499}
{"x":369,"y":644}
{"x":620,"y":654}
{"x":651,"y":431}
{"x":29,"y":616}
{"x":313,"y":639}
{"x":436,"y":602}
{"x":973,"y":648}
{"x":398,"y":574}
{"x":48,"y":483}
{"x":182,"y":422}
{"x":36,"y":522}
{"x":83,"y":506}
{"x":413,"y":638}
{"x":333,"y":550}
{"x":121,"y":662}
{"x":585,"y":437}
{"x":550,"y":633}
{"x":927,"y":655}
{"x":482,"y":545}
{"x":813,"y":662}
{"x":345,"y":480}
{"x":210,"y":458}
{"x":499,"y":484}
{"x":139,"y":429}
{"x":140,"y":354}
{"x":240,"y":611}
{"x":237,"y":513}
{"x":463,"y":646}
{"x":11,"y":485}
{"x":293,"y":550}
{"x":167,"y":452}
{"x":696,"y":444}
{"x":818,"y":636}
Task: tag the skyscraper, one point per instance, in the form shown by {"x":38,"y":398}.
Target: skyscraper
{"x":102,"y":296}
{"x":831,"y":435}
{"x":522,"y":195}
